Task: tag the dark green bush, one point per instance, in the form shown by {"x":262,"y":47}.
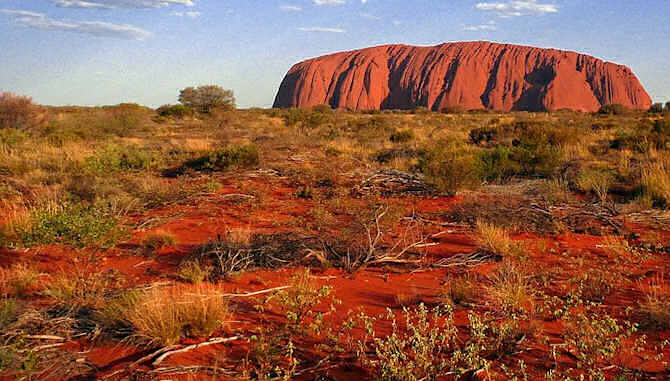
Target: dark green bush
{"x":308,"y":118}
{"x":498,"y":165}
{"x":614,"y":109}
{"x":401,"y":136}
{"x":483,"y":135}
{"x":225,"y":158}
{"x":175,"y":111}
{"x":450,"y":166}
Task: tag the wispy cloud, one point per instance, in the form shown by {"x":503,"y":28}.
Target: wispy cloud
{"x":111,"y":4}
{"x":95,"y":28}
{"x":190,"y":14}
{"x":328,"y":2}
{"x":290,"y":8}
{"x":370,"y":16}
{"x":322,"y":29}
{"x":518,"y":8}
{"x":489,"y":26}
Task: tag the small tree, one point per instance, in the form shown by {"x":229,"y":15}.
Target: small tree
{"x":16,"y":111}
{"x":656,"y":108}
{"x":205,"y":98}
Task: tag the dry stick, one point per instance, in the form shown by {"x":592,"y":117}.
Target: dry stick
{"x":256,"y":292}
{"x":142,"y":360}
{"x":190,"y":369}
{"x":45,"y":337}
{"x":217,"y":340}
{"x":237,"y":195}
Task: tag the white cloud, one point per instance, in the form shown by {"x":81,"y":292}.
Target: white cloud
{"x":489,"y":26}
{"x":190,"y":14}
{"x":94,"y":28}
{"x":328,"y":2}
{"x":518,"y":8}
{"x":111,"y":4}
{"x":370,"y":16}
{"x":321,"y":29}
{"x":290,"y":8}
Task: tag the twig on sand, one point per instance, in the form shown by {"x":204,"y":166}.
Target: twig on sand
{"x":255,"y":292}
{"x":218,"y":340}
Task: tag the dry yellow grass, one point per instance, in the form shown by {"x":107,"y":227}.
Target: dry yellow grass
{"x":496,"y":240}
{"x":163,"y":316}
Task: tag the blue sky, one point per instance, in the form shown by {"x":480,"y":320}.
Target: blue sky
{"x":95,"y":52}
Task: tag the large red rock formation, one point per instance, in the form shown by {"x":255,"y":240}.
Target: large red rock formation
{"x":468,"y":75}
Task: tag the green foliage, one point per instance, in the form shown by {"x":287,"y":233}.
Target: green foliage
{"x":231,"y":157}
{"x":403,"y":136}
{"x":8,"y":312}
{"x":207,"y":98}
{"x":537,"y":150}
{"x":451,"y":166}
{"x":174,"y":111}
{"x":593,"y":338}
{"x":614,"y":109}
{"x":114,"y":158}
{"x":417,"y":352}
{"x":308,"y":118}
{"x":68,"y":224}
{"x":498,"y":165}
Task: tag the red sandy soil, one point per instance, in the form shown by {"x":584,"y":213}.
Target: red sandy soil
{"x":373,"y":289}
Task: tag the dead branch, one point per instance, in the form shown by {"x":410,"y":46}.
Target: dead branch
{"x":217,"y":340}
{"x":255,"y":292}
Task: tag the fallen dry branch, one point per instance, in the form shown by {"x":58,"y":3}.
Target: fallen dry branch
{"x":260,"y":292}
{"x":217,"y":340}
{"x":391,"y":182}
{"x":476,"y":258}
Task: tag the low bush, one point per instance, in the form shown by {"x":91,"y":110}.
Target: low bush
{"x":158,"y":240}
{"x":114,"y":158}
{"x":401,"y":136}
{"x":16,"y":111}
{"x":174,"y":111}
{"x":225,"y":158}
{"x":450,"y":166}
{"x":614,"y":109}
{"x":8,"y":312}
{"x":68,"y":224}
{"x":596,"y":181}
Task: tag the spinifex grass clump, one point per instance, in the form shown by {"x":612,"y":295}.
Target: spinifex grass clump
{"x":163,"y":316}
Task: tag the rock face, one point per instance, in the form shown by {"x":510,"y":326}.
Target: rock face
{"x":467,"y":75}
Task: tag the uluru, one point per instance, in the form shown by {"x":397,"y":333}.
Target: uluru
{"x":463,"y":75}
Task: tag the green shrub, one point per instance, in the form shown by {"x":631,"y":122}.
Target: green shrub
{"x":308,"y":118}
{"x":401,"y":136}
{"x":450,"y":166}
{"x":174,"y":111}
{"x":234,"y":156}
{"x":497,"y":164}
{"x":70,"y":224}
{"x":8,"y":312}
{"x":614,"y":109}
{"x":114,"y":158}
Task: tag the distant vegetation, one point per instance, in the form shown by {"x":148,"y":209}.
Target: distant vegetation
{"x":206,"y":98}
{"x":557,"y":222}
